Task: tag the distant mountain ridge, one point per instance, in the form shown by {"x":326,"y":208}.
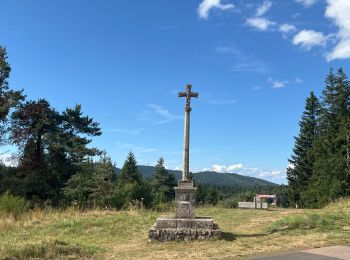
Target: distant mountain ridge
{"x":211,"y":177}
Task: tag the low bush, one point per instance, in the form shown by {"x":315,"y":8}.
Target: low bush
{"x":321,"y":221}
{"x":12,"y":205}
{"x":230,"y":203}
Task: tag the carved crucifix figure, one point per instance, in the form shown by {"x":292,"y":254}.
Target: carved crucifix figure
{"x":186,"y":154}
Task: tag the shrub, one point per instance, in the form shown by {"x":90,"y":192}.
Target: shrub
{"x":320,"y":221}
{"x":12,"y":205}
{"x":230,"y":203}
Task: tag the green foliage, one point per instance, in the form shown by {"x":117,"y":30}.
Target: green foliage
{"x":163,"y":185}
{"x":12,"y":205}
{"x":8,"y":98}
{"x":130,"y":173}
{"x":94,"y":186}
{"x":303,"y":157}
{"x":229,"y":203}
{"x":53,"y":147}
{"x":321,"y":159}
{"x":320,"y":221}
{"x":131,"y":187}
{"x":49,"y":250}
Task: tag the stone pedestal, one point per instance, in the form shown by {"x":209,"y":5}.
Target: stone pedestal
{"x":185,"y":200}
{"x":185,"y":225}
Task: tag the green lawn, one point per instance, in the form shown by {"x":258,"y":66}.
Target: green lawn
{"x":123,"y":234}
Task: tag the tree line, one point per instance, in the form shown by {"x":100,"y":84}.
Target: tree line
{"x":319,"y":170}
{"x":57,"y":167}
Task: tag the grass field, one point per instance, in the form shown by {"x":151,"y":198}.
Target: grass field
{"x":123,"y":234}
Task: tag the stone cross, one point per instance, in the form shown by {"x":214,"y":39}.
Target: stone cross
{"x":186,"y":154}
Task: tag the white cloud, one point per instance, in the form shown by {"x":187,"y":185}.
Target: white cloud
{"x":244,"y":62}
{"x":306,"y":3}
{"x":309,"y":38}
{"x":220,"y":101}
{"x":339,"y":12}
{"x":126,"y":131}
{"x":206,"y":5}
{"x":277,"y":83}
{"x":275,"y":175}
{"x":157,"y":115}
{"x":251,"y":66}
{"x":137,"y":150}
{"x":262,"y":24}
{"x":287,"y":28}
{"x":263,"y":8}
{"x":235,"y":167}
{"x":299,"y":80}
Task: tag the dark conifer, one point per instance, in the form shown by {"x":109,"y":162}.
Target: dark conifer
{"x":302,"y":160}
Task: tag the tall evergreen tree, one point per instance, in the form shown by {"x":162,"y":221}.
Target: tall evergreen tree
{"x":303,"y":158}
{"x":131,"y":186}
{"x":163,"y":183}
{"x":130,"y":173}
{"x":8,"y":98}
{"x":53,"y":146}
{"x":332,"y":148}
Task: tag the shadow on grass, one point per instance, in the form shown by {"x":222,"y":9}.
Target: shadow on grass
{"x":228,"y":236}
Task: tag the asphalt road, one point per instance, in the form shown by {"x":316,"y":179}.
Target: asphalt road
{"x":324,"y":253}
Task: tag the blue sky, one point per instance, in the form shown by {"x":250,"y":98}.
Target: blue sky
{"x":253,"y":63}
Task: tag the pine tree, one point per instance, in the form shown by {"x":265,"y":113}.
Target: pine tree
{"x":332,"y":148}
{"x":130,"y":173}
{"x":8,"y":98}
{"x":163,"y":184}
{"x":302,"y":160}
{"x":52,"y":146}
{"x":131,"y":186}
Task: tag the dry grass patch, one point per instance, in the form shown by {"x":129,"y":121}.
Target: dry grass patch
{"x":124,"y":234}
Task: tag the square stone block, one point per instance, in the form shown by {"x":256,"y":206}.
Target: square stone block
{"x":185,"y":184}
{"x":203,"y":223}
{"x":184,"y":223}
{"x":166,"y":223}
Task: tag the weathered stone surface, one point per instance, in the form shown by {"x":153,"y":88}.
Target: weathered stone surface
{"x":170,"y":228}
{"x":166,"y":222}
{"x":185,"y":199}
{"x":186,"y":234}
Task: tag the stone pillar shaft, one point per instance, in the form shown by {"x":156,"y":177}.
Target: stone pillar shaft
{"x":186,"y":152}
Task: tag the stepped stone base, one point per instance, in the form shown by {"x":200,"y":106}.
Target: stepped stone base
{"x":170,"y":228}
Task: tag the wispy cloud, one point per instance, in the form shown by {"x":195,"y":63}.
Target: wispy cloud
{"x":277,"y":83}
{"x":158,"y":115}
{"x":220,"y":101}
{"x":307,"y":3}
{"x":242,"y":61}
{"x":207,"y":5}
{"x":263,"y":8}
{"x":260,"y":23}
{"x":286,"y":29}
{"x":126,"y":131}
{"x":136,"y":149}
{"x":299,"y":80}
{"x":251,"y":66}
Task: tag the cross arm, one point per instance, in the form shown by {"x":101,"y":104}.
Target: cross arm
{"x":182,"y":94}
{"x":194,"y":94}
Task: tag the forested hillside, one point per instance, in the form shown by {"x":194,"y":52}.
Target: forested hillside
{"x":211,"y":177}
